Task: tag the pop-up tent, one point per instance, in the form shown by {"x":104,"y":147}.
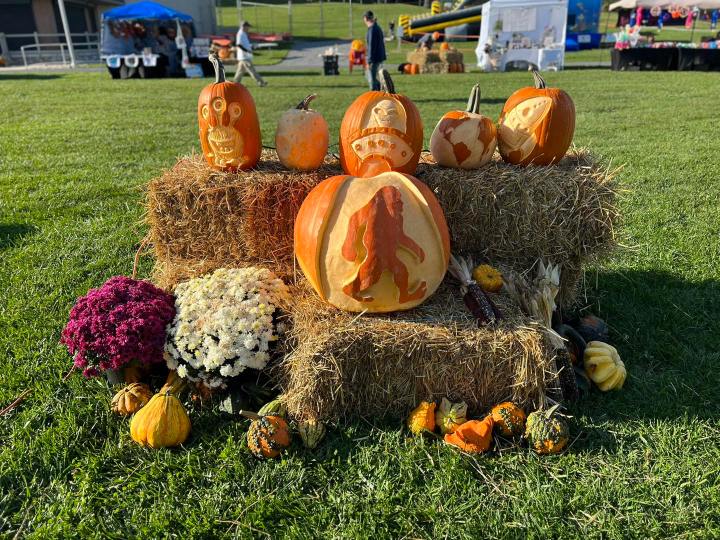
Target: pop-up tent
{"x":145,"y":10}
{"x":531,"y":31}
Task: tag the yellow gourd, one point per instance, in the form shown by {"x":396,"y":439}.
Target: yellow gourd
{"x":604,"y":366}
{"x":130,"y":399}
{"x":490,"y":279}
{"x":422,"y":418}
{"x":163,"y":422}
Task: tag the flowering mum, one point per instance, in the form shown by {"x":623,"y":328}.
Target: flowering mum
{"x":122,"y":321}
{"x":225,"y":323}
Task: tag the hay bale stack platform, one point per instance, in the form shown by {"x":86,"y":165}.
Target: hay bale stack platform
{"x":200,"y":219}
{"x":342,"y":365}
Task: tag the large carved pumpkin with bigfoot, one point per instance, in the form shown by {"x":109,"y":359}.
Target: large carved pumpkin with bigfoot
{"x":229,"y":126}
{"x":374,"y":244}
{"x":381,"y":132}
{"x":536,"y":125}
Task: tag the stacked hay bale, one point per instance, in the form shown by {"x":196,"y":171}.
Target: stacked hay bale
{"x":339,"y":364}
{"x":443,"y":61}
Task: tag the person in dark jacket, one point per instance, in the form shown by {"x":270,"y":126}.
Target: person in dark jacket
{"x":375,"y":49}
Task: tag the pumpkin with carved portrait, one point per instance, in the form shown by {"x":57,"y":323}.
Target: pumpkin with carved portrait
{"x":380,"y":132}
{"x":536,"y":125}
{"x":229,"y":126}
{"x":375,"y":244}
{"x":464,"y":139}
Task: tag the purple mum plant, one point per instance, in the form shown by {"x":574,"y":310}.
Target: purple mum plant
{"x":121,"y":322}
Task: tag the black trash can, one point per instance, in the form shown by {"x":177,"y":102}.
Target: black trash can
{"x":330,"y":64}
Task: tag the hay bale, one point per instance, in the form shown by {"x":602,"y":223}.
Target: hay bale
{"x":512,"y":216}
{"x":452,"y":56}
{"x":343,"y":365}
{"x":200,"y":219}
{"x":423,"y":56}
{"x":435,"y":68}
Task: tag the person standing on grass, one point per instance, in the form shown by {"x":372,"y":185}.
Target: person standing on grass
{"x":245,"y":56}
{"x":375,"y":49}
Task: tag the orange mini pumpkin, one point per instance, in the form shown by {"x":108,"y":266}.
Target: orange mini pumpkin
{"x":509,"y":419}
{"x":229,"y":127}
{"x":536,"y":125}
{"x":464,"y":139}
{"x":373,"y":244}
{"x":381,"y":132}
{"x":302,"y":137}
{"x":268,"y":435}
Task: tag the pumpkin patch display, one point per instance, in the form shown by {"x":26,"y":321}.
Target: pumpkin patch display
{"x":380,"y":132}
{"x":604,"y":366}
{"x":130,"y":399}
{"x":375,"y":244}
{"x":546,"y":432}
{"x":509,"y":419}
{"x":229,"y":126}
{"x":302,"y":136}
{"x":536,"y":125}
{"x":464,"y":139}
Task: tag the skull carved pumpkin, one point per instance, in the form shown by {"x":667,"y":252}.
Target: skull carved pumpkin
{"x":373,"y":244}
{"x":229,"y":127}
{"x":381,"y":132}
{"x":536,"y":125}
{"x":464,"y":139}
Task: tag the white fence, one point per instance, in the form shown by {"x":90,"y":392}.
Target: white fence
{"x":50,"y":48}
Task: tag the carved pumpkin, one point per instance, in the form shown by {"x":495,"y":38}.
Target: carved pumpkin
{"x":374,"y":244}
{"x":381,"y":132}
{"x":464,"y":139}
{"x":536,"y":125}
{"x":229,"y":127}
{"x":302,"y":137}
{"x":473,"y":437}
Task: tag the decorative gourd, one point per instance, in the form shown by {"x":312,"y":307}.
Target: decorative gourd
{"x":268,"y":435}
{"x":422,"y":418}
{"x":229,"y":127}
{"x":536,"y":125}
{"x":604,"y":366}
{"x":509,"y":419}
{"x":301,"y":139}
{"x":473,"y":437}
{"x":381,"y":132}
{"x":490,"y":279}
{"x":374,"y":244}
{"x":130,"y":399}
{"x":163,"y":422}
{"x":464,"y":139}
{"x":450,"y":415}
{"x":545,"y":432}
{"x":311,"y":432}
{"x":275,"y":407}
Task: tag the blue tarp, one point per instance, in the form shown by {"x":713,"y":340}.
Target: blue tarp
{"x":145,"y":10}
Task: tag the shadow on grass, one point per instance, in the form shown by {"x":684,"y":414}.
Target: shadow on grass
{"x":19,"y":76}
{"x":11,"y":233}
{"x":459,"y":98}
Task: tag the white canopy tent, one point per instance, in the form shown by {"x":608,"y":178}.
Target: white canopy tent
{"x":531,"y":31}
{"x":634,"y":4}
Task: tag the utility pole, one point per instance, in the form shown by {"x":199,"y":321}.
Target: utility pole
{"x":66,"y":29}
{"x":239,"y":10}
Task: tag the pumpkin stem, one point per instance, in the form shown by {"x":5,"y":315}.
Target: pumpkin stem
{"x":250,"y":415}
{"x":305,"y":103}
{"x":539,"y":81}
{"x":473,"y":105}
{"x":386,"y":83}
{"x":219,"y":68}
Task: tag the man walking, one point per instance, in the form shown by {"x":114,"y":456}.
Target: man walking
{"x":245,"y":56}
{"x":375,"y":49}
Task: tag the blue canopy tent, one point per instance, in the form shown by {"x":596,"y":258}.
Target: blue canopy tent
{"x":145,"y":10}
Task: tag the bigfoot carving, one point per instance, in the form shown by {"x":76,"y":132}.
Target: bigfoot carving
{"x":375,"y":233}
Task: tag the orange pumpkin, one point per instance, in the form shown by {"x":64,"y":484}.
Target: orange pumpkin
{"x":378,"y":244}
{"x":302,"y":137}
{"x":415,"y":69}
{"x":536,"y":125}
{"x":474,"y":436}
{"x":407,"y":69}
{"x":229,"y":127}
{"x":268,"y":436}
{"x":444,"y":46}
{"x":381,"y":132}
{"x":464,"y":139}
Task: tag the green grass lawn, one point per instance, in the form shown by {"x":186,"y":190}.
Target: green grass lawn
{"x":75,"y":151}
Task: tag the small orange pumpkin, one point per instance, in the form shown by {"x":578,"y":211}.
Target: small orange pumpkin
{"x":422,"y":418}
{"x":301,"y":139}
{"x":509,"y":419}
{"x":444,"y":46}
{"x":473,"y":437}
{"x":268,"y":435}
{"x":381,"y":132}
{"x":229,"y":126}
{"x":536,"y":125}
{"x":414,"y":69}
{"x":464,"y":139}
{"x":373,"y":244}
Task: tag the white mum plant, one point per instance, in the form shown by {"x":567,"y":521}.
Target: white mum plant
{"x":224,"y":324}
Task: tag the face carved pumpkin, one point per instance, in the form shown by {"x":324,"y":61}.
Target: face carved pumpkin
{"x":229,"y":127}
{"x":378,"y":244}
{"x":381,"y":132}
{"x":464,"y":139}
{"x":536,"y":125}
